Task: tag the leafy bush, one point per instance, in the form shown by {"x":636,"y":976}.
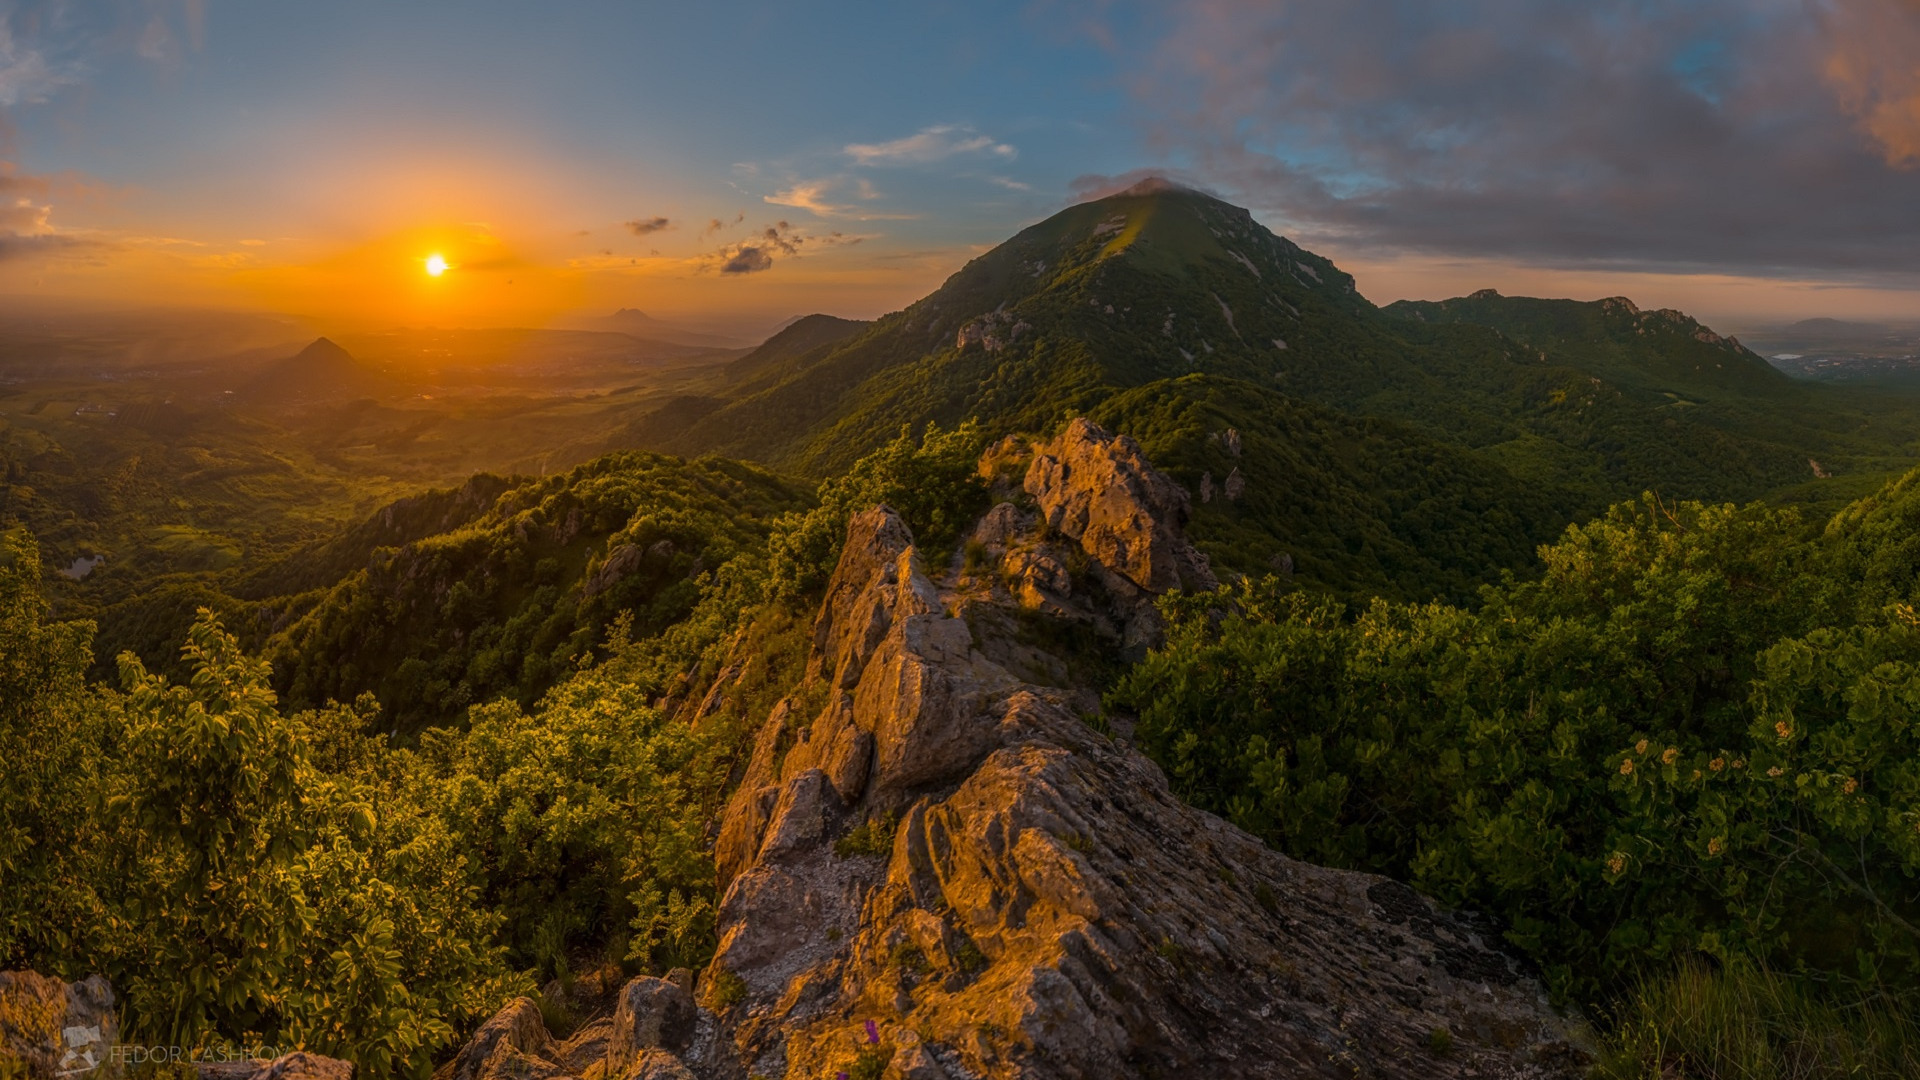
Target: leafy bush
{"x":930,"y":483}
{"x":1675,"y":741}
{"x":244,"y":876}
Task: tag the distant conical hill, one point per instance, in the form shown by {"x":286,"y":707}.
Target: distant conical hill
{"x":321,"y":372}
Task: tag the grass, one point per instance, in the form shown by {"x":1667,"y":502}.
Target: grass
{"x":1746,"y":1023}
{"x":872,"y":838}
{"x":729,"y":989}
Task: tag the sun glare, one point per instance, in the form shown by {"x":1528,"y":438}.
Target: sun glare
{"x":436,"y":265}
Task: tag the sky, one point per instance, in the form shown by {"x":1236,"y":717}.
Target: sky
{"x":734,"y":163}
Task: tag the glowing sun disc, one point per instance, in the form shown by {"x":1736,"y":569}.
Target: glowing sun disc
{"x":436,"y":265}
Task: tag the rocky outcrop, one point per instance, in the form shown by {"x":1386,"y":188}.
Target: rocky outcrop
{"x":1098,"y":489}
{"x":935,"y":868}
{"x":52,"y":1028}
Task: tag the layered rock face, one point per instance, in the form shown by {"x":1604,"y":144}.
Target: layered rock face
{"x":937,"y":869}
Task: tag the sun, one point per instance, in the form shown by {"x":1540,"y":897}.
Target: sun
{"x":436,"y":265}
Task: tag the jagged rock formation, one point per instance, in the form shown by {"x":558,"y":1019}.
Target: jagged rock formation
{"x":52,"y":1028}
{"x":928,"y":842}
{"x":935,"y":869}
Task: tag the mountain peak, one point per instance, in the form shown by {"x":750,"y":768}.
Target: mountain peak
{"x":1159,"y":185}
{"x":322,"y":350}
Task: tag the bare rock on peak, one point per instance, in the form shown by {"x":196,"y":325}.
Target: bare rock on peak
{"x":1100,"y":490}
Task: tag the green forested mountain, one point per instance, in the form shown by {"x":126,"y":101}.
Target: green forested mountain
{"x":1175,"y":316}
{"x":506,"y":603}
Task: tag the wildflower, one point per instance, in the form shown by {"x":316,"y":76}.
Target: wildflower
{"x":1775,"y":771}
{"x":1849,"y":786}
{"x":1717,"y":764}
{"x":1696,"y":774}
{"x":1783,"y":729}
{"x":1716,"y":845}
{"x":1617,"y":864}
{"x":1739,"y":763}
{"x":1640,"y":747}
{"x":1672,"y":753}
{"x":1626,"y":767}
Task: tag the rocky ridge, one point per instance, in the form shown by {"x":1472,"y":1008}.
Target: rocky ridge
{"x":936,"y":869}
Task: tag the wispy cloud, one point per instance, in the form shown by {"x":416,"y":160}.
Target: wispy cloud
{"x":928,"y":145}
{"x":27,"y":76}
{"x":715,"y":225}
{"x":810,"y":195}
{"x":648,"y":226}
{"x":822,"y":198}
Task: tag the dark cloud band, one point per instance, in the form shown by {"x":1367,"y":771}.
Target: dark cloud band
{"x":1748,"y":136}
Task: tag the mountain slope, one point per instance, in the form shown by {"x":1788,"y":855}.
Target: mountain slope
{"x":505,"y":602}
{"x":1171,"y":314}
{"x":1613,"y":338}
{"x":1597,"y":401}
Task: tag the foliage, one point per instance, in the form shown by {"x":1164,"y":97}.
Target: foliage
{"x":54,"y":741}
{"x":1746,"y":1023}
{"x":246,"y":876}
{"x":508,"y":604}
{"x":1675,"y":740}
{"x":930,"y":482}
{"x":872,"y":838}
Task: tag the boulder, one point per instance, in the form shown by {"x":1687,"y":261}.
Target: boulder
{"x":652,"y":1013}
{"x":510,"y":1045}
{"x":52,"y":1028}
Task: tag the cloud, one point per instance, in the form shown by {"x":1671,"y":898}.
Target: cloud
{"x":747,"y":259}
{"x":715,"y":225}
{"x":27,"y":76}
{"x":929,"y":145}
{"x":756,"y":253}
{"x":808,"y":195}
{"x":1009,"y":183}
{"x":817,"y":197}
{"x":1748,"y":136}
{"x":648,"y":226}
{"x":1873,"y":63}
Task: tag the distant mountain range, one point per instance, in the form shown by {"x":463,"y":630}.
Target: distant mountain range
{"x":1370,"y":446}
{"x":637,"y":323}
